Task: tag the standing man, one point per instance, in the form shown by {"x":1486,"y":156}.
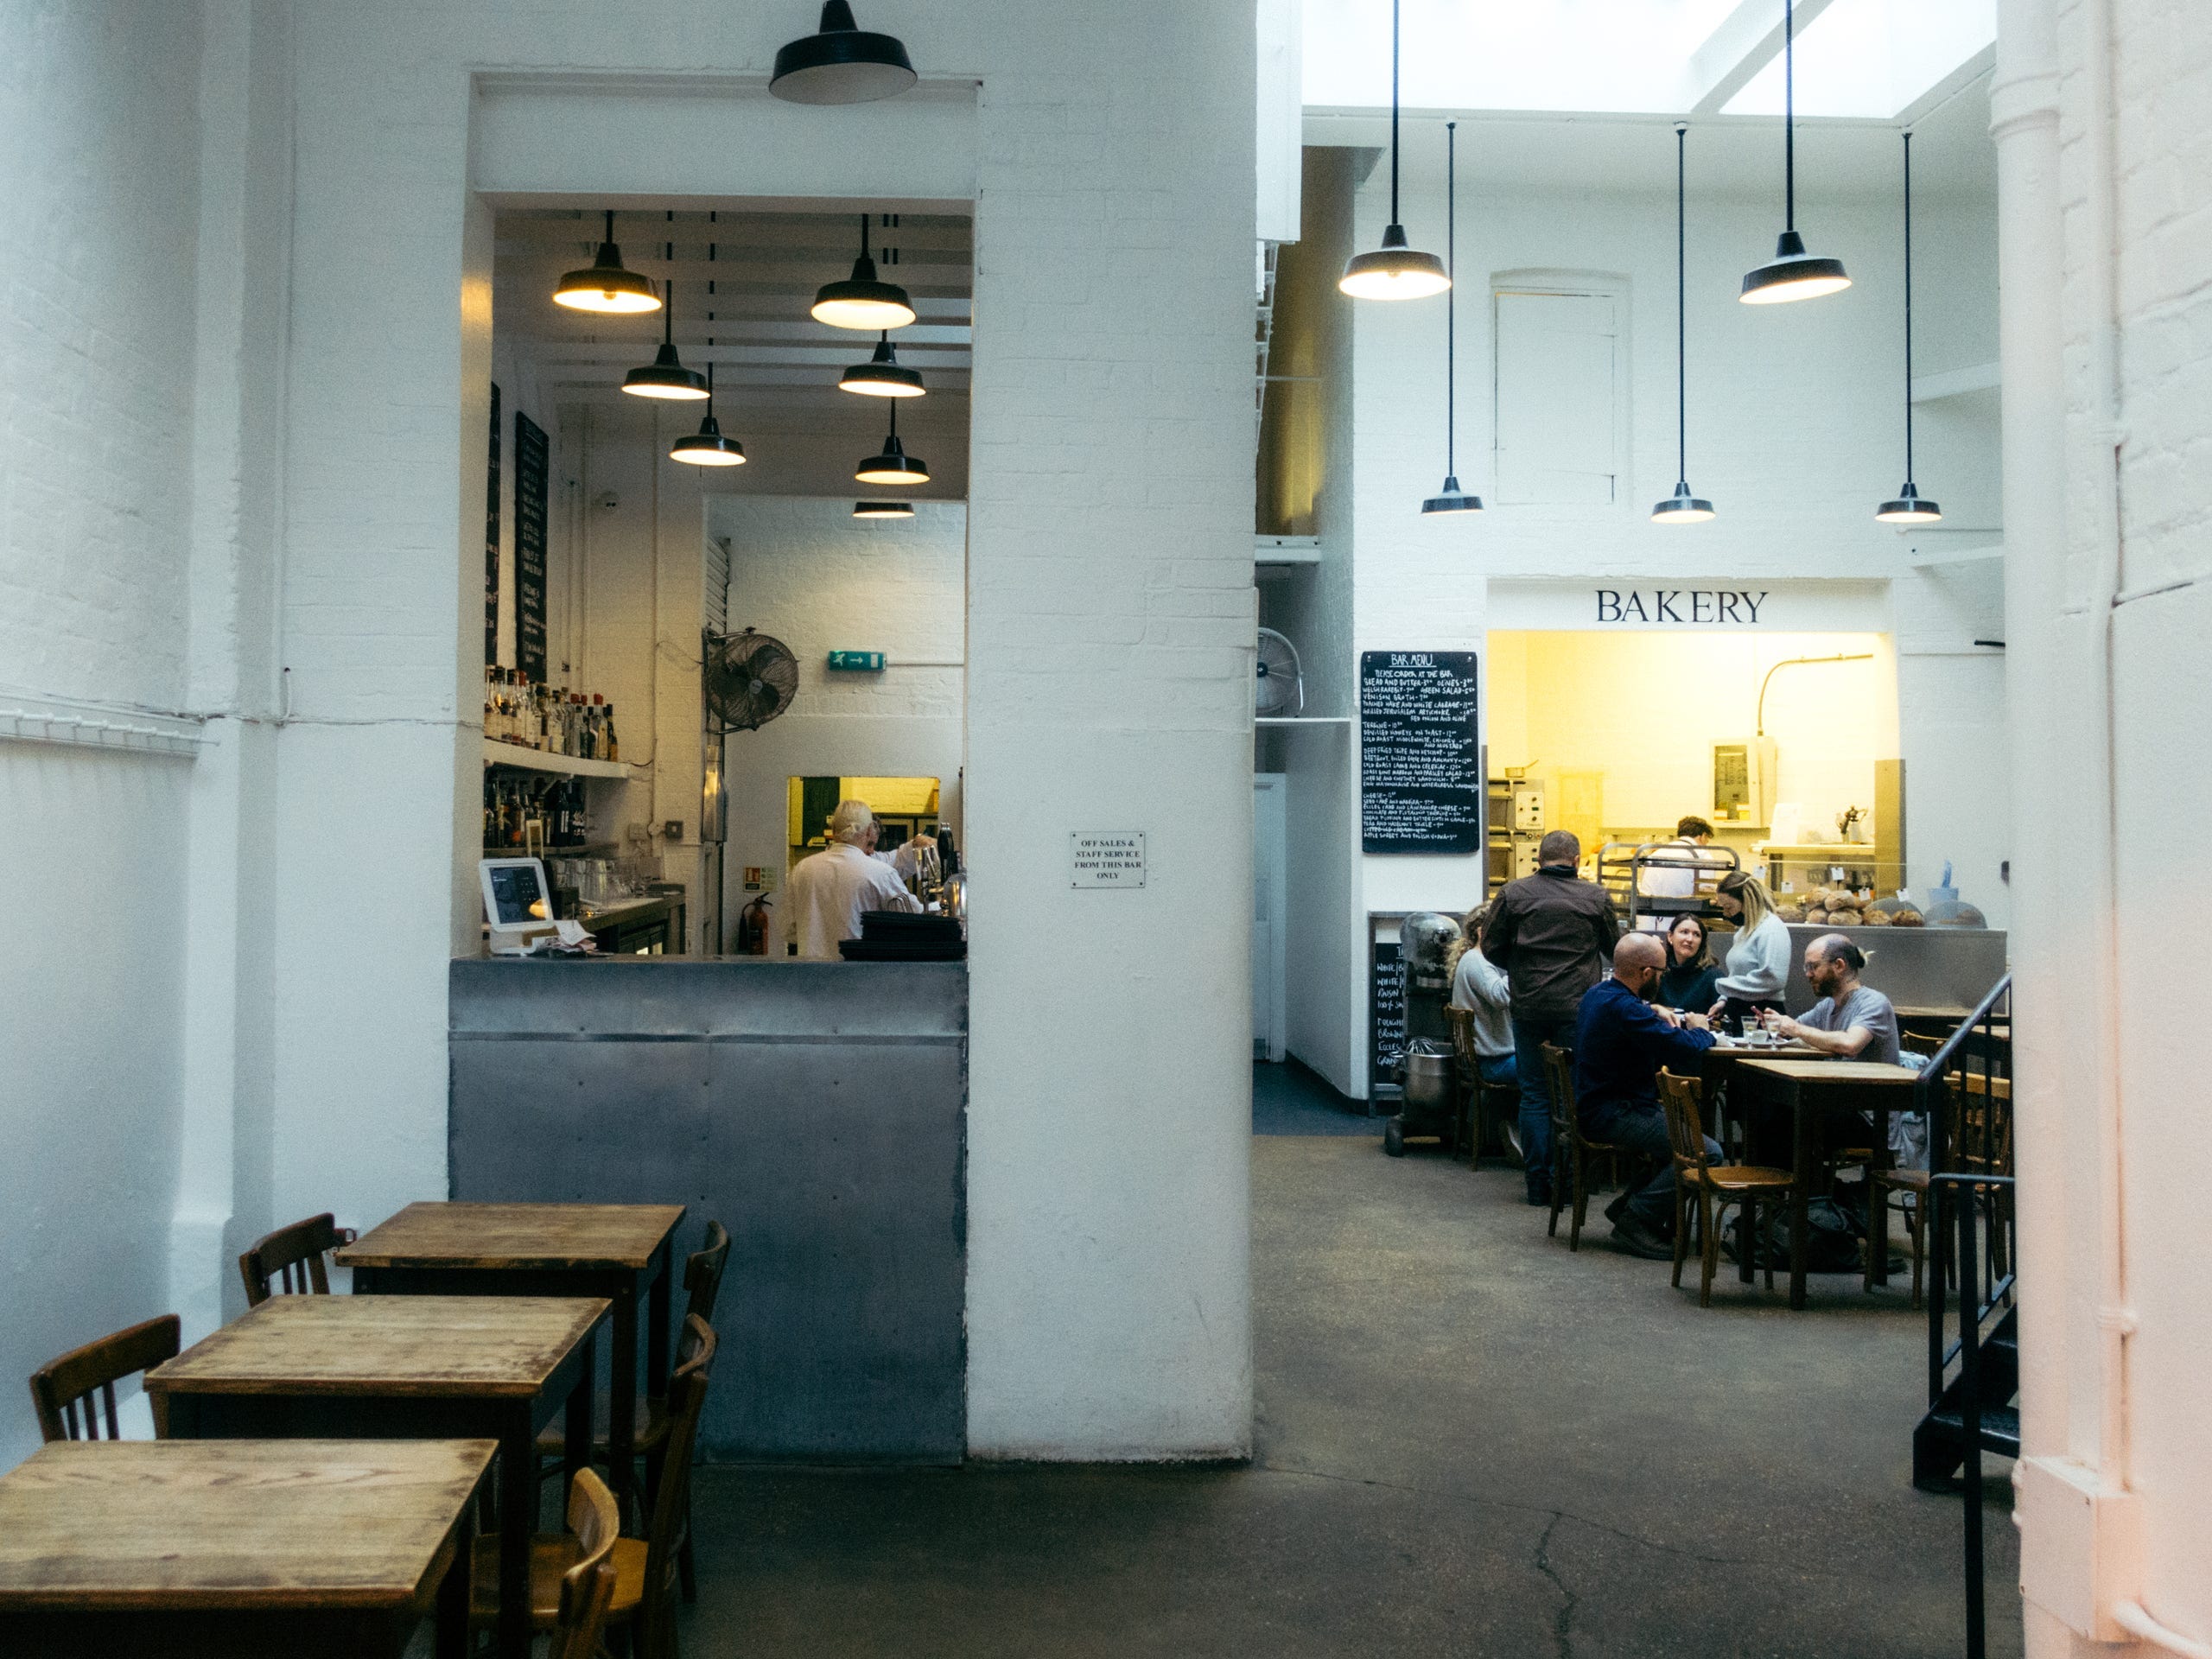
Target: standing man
{"x":1553,"y":933}
{"x":1679,"y":881}
{"x":829,"y":889}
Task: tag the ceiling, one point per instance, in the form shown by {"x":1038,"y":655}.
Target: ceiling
{"x":745,"y":276}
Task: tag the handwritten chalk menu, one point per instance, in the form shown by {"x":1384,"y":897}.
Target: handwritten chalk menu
{"x":530,"y":548}
{"x":1386,"y":1015}
{"x":491,"y":540}
{"x":1420,"y":778}
{"x":1106,"y":858}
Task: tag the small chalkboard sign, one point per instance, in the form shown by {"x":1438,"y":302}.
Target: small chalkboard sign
{"x":530,"y":548}
{"x":1386,"y":1015}
{"x":1421,"y":777}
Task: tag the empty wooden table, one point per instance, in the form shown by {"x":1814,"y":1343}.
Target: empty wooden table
{"x":401,"y":1368}
{"x":279,"y":1548}
{"x":620,"y":1251}
{"x":1812,"y":1090}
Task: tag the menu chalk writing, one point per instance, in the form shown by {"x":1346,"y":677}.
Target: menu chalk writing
{"x":491,"y":540}
{"x":1420,"y":781}
{"x":530,"y":548}
{"x":1106,"y":858}
{"x":1386,"y":1016}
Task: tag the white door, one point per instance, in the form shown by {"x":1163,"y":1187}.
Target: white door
{"x":1269,"y":912}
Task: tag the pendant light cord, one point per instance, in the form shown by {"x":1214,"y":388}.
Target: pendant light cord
{"x":1394,"y":112}
{"x":1788,"y":115}
{"x":609,"y":236}
{"x":1450,"y":272}
{"x":1682,"y":315}
{"x":864,"y":236}
{"x":1908,"y":308}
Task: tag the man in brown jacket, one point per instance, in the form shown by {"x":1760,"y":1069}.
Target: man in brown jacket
{"x":1553,"y":933}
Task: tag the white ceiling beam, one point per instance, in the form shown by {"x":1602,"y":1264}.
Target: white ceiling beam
{"x":1982,"y":63}
{"x":1748,"y":40}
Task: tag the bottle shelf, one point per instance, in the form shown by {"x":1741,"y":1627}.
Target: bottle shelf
{"x":497,"y":753}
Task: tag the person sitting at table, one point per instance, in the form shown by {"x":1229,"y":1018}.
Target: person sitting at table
{"x":1691,"y":973}
{"x":1851,"y":1021}
{"x":1620,"y":1043}
{"x":1480,"y":986}
{"x":1758,"y":966}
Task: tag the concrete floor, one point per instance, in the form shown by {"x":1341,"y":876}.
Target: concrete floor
{"x":1470,"y":1442}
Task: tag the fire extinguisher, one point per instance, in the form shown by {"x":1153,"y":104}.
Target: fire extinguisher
{"x":753,"y":928}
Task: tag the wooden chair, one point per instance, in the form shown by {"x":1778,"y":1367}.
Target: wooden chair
{"x":1481,"y":1105}
{"x":645,"y":1569}
{"x":1977,"y":1135}
{"x":290,"y":1259}
{"x":1713,"y":1186}
{"x":63,"y":1390}
{"x":588,"y":1588}
{"x":1572,"y":1150}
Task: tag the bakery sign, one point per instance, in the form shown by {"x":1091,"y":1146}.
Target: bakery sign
{"x":1781,"y":606}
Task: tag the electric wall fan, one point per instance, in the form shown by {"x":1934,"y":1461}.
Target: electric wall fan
{"x":749,"y":679}
{"x":1281,"y":690}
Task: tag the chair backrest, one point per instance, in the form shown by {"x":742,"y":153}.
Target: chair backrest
{"x":63,"y":1390}
{"x":1462,"y":1024}
{"x":702,"y":1274}
{"x":686,"y":1397}
{"x":587,"y":1588}
{"x":1921,"y":1042}
{"x":290,"y":1259}
{"x":1682,"y":1099}
{"x":1559,"y":1072}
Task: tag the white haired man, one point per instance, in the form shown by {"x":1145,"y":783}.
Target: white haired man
{"x":829,"y":890}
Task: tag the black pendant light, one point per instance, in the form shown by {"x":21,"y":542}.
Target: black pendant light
{"x":604,"y":286}
{"x":841,"y":64}
{"x":1452,"y":497}
{"x":862,"y":302}
{"x":883,"y":509}
{"x":1682,"y":507}
{"x":1394,"y":271}
{"x":895,"y":465}
{"x":664,"y":377}
{"x":707,"y":446}
{"x":1792,"y":274}
{"x":881,"y":377}
{"x":1910,"y":507}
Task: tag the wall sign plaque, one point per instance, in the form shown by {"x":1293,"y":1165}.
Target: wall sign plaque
{"x":1420,"y":778}
{"x":1106,"y":858}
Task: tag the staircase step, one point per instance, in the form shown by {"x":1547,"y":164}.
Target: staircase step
{"x":2000,"y":1427}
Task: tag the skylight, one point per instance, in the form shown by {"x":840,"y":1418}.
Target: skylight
{"x":1874,"y":58}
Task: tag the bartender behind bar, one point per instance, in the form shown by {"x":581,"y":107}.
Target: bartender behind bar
{"x":829,"y":890}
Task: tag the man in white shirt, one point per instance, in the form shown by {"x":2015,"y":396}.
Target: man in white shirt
{"x":829,"y":889}
{"x":1677,"y":879}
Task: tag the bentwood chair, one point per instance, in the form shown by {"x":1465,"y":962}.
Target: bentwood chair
{"x":1481,"y":1105}
{"x":645,"y":1569}
{"x":291,"y":1259}
{"x":588,"y":1588}
{"x":1573,"y":1151}
{"x":1711,"y":1187}
{"x":67,"y":1391}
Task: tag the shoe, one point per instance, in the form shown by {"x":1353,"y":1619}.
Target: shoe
{"x":1540,"y":1197}
{"x":1637,"y":1240}
{"x":1619,"y":1207}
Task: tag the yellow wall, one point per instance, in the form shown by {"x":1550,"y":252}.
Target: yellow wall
{"x":1645,"y":708}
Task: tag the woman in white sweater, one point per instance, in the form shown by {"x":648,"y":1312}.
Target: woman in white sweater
{"x":1757,"y":964}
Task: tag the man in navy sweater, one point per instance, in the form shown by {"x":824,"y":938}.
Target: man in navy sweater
{"x":1621,"y":1041}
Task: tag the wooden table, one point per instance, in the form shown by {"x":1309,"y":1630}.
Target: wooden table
{"x":1721,"y":1063}
{"x":278,"y":1548}
{"x":401,"y":1368}
{"x":1811,"y":1088}
{"x":620,"y":1251}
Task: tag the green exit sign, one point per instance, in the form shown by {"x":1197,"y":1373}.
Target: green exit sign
{"x":855,"y":662}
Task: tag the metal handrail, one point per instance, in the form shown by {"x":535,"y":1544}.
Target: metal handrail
{"x":1969,"y":1350}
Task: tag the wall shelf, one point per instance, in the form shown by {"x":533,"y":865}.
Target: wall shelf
{"x":497,"y":753}
{"x":1301,"y":720}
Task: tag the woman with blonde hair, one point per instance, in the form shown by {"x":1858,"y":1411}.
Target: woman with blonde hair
{"x":1480,"y":986}
{"x":1757,"y":964}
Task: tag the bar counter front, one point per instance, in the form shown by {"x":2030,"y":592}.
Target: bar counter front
{"x":818,"y":1109}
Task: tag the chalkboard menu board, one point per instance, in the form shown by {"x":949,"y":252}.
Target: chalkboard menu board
{"x":491,"y":540}
{"x":1420,"y":778}
{"x":1385,"y":1014}
{"x":530,"y":548}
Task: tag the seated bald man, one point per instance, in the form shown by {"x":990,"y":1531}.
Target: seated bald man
{"x":1621,"y":1041}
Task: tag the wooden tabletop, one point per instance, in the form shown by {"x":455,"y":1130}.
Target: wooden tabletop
{"x":1853,"y":1071}
{"x":231,"y":1525}
{"x":467,"y":1346}
{"x":515,"y":1236}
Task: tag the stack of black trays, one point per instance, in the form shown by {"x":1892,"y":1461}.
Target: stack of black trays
{"x":901,"y":936}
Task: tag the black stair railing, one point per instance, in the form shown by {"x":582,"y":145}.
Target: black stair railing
{"x":1973,"y":1379}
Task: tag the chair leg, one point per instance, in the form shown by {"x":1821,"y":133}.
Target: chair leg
{"x":1581,"y":1197}
{"x":686,"y":1573}
{"x":1709,"y":1217}
{"x":1682,"y":1230}
{"x":1877,"y":1231}
{"x":1917,"y":1223}
{"x":1759,"y":1244}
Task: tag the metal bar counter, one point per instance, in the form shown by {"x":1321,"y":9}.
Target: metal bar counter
{"x":818,"y":1109}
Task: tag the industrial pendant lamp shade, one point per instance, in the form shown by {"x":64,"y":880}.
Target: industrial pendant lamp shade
{"x":1792,"y":274}
{"x":841,"y":64}
{"x":1450,"y":498}
{"x":1910,"y":507}
{"x":883,"y":509}
{"x":1394,"y":271}
{"x":1682,"y":507}
{"x":605,"y":287}
{"x":881,"y":377}
{"x":862,"y":302}
{"x":893,"y":465}
{"x":664,"y":377}
{"x":707,"y":446}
